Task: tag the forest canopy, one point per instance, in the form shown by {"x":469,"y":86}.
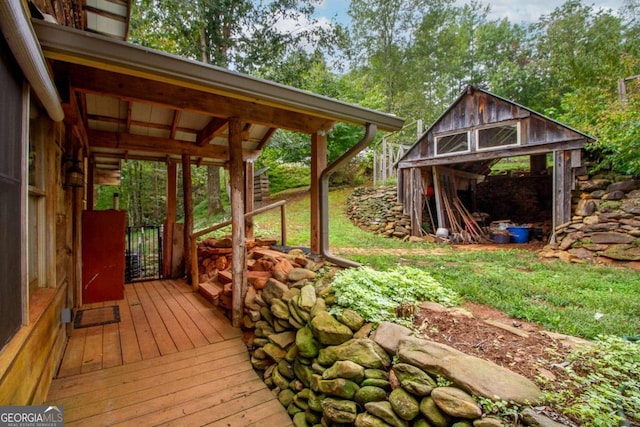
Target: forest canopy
{"x":412,"y":58}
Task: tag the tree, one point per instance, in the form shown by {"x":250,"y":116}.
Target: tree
{"x":240,"y":34}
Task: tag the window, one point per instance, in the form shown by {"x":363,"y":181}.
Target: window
{"x":12,"y":209}
{"x":454,"y":143}
{"x":498,"y":136}
{"x":36,"y":267}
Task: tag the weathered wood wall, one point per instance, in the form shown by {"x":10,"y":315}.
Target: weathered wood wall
{"x":29,"y":361}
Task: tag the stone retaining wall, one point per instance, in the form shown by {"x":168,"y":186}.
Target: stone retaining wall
{"x":332,"y":370}
{"x":606,"y":221}
{"x":376,"y":209}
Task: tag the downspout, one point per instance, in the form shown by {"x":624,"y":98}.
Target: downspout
{"x":369,"y":135}
{"x":25,"y":47}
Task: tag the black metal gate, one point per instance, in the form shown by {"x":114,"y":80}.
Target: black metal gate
{"x":143,"y":255}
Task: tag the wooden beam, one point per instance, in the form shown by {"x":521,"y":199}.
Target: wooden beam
{"x":249,"y":198}
{"x":214,"y":128}
{"x":174,"y":123}
{"x":125,"y":141}
{"x":574,"y":144}
{"x":129,"y":108}
{"x":137,"y":89}
{"x":188,"y":212}
{"x":170,"y":221}
{"x":91,"y":167}
{"x":318,"y":165}
{"x":267,"y":136}
{"x":239,"y":255}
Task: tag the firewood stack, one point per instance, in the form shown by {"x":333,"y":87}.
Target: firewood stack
{"x":263,"y":264}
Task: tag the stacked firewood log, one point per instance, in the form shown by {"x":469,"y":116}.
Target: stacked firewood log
{"x":263,"y":263}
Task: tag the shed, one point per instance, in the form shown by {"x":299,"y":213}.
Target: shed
{"x":455,"y":156}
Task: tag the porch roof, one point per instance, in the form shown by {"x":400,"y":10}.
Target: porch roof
{"x":134,"y":102}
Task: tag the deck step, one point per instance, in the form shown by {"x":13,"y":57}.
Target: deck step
{"x":211,"y":291}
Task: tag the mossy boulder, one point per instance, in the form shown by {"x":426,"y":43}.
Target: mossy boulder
{"x":328,"y":330}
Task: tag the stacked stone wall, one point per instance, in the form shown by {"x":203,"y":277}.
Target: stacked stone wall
{"x":606,"y":221}
{"x":332,"y":370}
{"x":376,"y":209}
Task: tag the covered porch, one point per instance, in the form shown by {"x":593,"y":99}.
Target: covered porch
{"x":172,"y":359}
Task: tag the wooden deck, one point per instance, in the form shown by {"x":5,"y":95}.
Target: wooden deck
{"x":173,"y":359}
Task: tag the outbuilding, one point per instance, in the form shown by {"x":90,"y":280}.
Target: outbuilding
{"x":445,"y":179}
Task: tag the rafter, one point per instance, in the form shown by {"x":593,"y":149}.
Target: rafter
{"x":174,"y":123}
{"x":91,"y":80}
{"x":215,"y":127}
{"x":125,"y":141}
{"x":265,"y":139}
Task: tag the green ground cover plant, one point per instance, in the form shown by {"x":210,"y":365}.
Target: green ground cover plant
{"x":377,"y":295}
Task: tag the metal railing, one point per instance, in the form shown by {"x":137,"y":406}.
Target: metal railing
{"x":194,"y":247}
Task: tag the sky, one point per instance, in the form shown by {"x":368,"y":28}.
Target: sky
{"x":517,"y":11}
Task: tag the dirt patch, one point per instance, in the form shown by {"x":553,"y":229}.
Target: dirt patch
{"x":490,"y":334}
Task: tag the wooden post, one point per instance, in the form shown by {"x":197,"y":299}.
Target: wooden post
{"x":170,"y":221}
{"x":188,"y":213}
{"x":248,"y":198}
{"x":239,"y":254}
{"x":91,"y":163}
{"x":537,"y":164}
{"x":562,"y":183}
{"x":318,"y":165}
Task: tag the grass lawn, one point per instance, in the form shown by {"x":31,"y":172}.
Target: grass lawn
{"x":577,"y":299}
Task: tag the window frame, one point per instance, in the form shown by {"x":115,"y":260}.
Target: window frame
{"x":437,"y":139}
{"x":515,"y":123}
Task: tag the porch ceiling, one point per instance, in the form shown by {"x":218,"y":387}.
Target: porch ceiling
{"x":128,"y":102}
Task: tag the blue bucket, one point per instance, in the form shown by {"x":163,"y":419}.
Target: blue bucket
{"x":519,"y":234}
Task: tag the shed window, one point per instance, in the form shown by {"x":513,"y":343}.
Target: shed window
{"x":498,"y":136}
{"x":455,"y":143}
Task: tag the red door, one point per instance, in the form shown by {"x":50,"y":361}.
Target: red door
{"x":103,"y":245}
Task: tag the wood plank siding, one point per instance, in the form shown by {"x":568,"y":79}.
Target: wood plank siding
{"x":173,"y":359}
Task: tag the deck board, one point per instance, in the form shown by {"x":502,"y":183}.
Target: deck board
{"x":126,"y":380}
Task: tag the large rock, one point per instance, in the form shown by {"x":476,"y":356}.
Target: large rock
{"x":344,"y":369}
{"x":433,"y":414}
{"x":622,"y":252}
{"x":476,"y":376}
{"x":328,"y":330}
{"x":455,"y":402}
{"x":362,"y":351}
{"x":370,"y":394}
{"x":388,"y":335}
{"x":351,"y":319}
{"x":365,"y":419}
{"x":307,"y":297}
{"x":307,"y":345}
{"x":338,"y":387}
{"x":611,"y":237}
{"x":404,"y":404}
{"x":274,"y":352}
{"x":339,"y":411}
{"x":273,"y":289}
{"x":283,"y":339}
{"x":384,"y":411}
{"x":414,"y":379}
{"x":297,"y":274}
{"x":624,"y":186}
{"x":534,"y":419}
{"x":280,"y":309}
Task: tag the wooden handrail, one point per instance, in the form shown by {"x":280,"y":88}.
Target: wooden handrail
{"x":194,"y":247}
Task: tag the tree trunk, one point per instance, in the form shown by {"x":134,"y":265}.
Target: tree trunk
{"x":214,"y":204}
